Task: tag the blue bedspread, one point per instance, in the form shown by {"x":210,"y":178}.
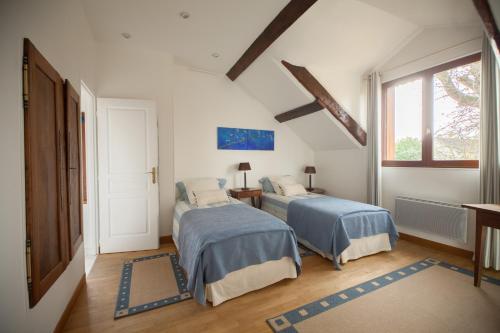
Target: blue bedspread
{"x":216,"y":241}
{"x":320,"y":222}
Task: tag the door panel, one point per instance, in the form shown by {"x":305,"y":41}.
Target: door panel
{"x":127,"y":130}
{"x":72,"y":111}
{"x":132,"y":214}
{"x":128,"y":197}
{"x":45,"y":170}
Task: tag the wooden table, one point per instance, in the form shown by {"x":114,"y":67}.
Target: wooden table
{"x":487,"y":215}
{"x":253,"y":193}
{"x":316,"y":190}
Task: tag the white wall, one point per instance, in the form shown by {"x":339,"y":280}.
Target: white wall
{"x":203,"y":102}
{"x":495,"y":9}
{"x":124,"y":71}
{"x":342,"y":173}
{"x":59,"y":30}
{"x":430,"y":48}
{"x":449,"y":185}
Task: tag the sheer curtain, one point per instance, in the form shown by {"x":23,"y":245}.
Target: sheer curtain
{"x":490,"y":147}
{"x":374,"y":189}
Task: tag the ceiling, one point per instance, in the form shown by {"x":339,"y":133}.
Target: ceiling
{"x":426,"y":13}
{"x":226,"y":27}
{"x":339,"y":41}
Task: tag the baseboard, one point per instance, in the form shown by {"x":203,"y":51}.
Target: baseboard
{"x":166,"y":239}
{"x":437,"y":246}
{"x":65,"y":315}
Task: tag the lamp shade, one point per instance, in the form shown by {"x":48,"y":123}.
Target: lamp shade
{"x":245,"y":166}
{"x":310,"y":170}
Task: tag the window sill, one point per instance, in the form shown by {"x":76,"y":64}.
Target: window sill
{"x":433,"y":164}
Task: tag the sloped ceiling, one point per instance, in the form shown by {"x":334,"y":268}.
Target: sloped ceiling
{"x":442,"y":42}
{"x":430,"y":13}
{"x":338,"y":41}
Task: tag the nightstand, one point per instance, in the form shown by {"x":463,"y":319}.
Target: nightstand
{"x":316,"y":190}
{"x":251,"y":193}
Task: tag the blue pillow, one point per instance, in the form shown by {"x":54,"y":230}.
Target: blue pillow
{"x":222,"y":182}
{"x":266,"y":185}
{"x":183,"y":192}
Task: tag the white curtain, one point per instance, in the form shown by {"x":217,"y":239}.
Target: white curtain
{"x":490,"y":147}
{"x":374,"y":189}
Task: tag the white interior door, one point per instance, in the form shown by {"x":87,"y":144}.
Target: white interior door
{"x":128,"y":186}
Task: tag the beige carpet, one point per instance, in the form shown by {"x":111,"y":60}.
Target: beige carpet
{"x":150,"y":282}
{"x":418,"y":298}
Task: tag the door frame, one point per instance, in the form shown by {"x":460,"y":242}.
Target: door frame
{"x":92,"y":206}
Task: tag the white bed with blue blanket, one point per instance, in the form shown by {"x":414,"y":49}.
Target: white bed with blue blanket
{"x":338,"y":229}
{"x":229,"y":248}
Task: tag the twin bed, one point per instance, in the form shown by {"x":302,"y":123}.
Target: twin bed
{"x":228,"y":248}
{"x":337,"y":229}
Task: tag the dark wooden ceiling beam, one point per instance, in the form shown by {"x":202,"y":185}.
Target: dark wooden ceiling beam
{"x":327,"y":101}
{"x":301,"y":111}
{"x":286,"y":17}
{"x":484,"y":10}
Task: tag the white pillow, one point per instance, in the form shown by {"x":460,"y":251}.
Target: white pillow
{"x":199,"y":184}
{"x":275,"y":184}
{"x":210,"y":196}
{"x":279,"y":181}
{"x":293,"y":189}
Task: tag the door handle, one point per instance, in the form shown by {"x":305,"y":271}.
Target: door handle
{"x":153,"y":174}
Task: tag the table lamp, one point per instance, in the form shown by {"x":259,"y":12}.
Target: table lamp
{"x":244,"y":166}
{"x":310,"y":170}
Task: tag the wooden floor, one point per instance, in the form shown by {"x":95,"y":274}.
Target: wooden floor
{"x":94,"y":309}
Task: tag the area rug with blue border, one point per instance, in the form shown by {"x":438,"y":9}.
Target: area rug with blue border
{"x":427,"y":296}
{"x":150,"y":282}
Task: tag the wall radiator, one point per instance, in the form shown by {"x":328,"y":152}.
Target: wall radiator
{"x":439,"y":218}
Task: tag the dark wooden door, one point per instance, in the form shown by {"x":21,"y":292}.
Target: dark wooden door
{"x":72,"y":110}
{"x":45,"y":169}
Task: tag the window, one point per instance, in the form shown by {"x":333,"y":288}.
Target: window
{"x":431,"y":118}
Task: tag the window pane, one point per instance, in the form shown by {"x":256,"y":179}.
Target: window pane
{"x":456,"y":113}
{"x":408,"y":121}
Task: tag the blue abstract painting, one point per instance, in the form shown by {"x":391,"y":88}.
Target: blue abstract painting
{"x":244,"y":139}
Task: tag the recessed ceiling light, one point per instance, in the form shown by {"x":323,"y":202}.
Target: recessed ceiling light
{"x":215,"y":55}
{"x":126,"y":35}
{"x":184,"y":15}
